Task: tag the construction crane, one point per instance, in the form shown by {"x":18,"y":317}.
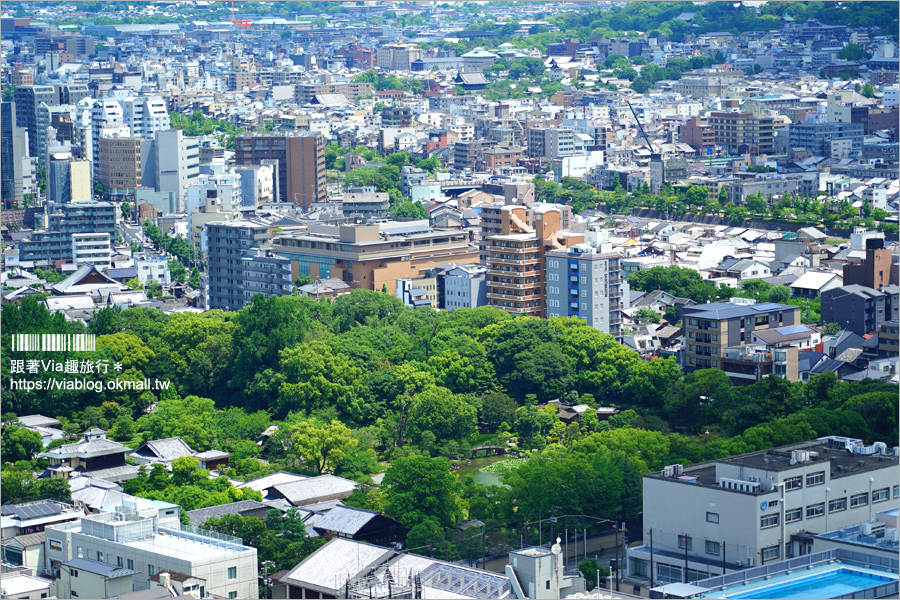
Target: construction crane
{"x":640,"y":127}
{"x":654,"y":156}
{"x":245,"y":23}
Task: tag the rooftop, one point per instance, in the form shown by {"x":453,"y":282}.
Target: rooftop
{"x":831,"y":451}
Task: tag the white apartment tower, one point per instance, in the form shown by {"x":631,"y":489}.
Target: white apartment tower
{"x":145,"y":115}
{"x":106,"y":111}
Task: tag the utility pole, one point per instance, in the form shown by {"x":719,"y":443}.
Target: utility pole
{"x":617,"y":555}
{"x":652,"y":570}
{"x":723,"y":558}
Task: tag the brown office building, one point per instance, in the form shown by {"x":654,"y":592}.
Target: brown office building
{"x":369,"y":256}
{"x":877,"y":271}
{"x":697,"y":135}
{"x":744,"y":132}
{"x":120,"y":163}
{"x":301,"y":163}
{"x":516,"y":265}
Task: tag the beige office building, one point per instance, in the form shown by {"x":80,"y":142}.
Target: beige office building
{"x":369,"y":256}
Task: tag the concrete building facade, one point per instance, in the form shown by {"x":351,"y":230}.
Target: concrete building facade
{"x":585,"y":283}
{"x":300,"y":160}
{"x":373,"y":255}
{"x":711,"y":328}
{"x":757,"y":508}
{"x":142,"y":541}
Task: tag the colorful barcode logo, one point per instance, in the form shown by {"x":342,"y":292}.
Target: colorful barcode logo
{"x":54,"y":342}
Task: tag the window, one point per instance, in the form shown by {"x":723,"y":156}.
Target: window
{"x":880,"y":495}
{"x":150,"y":570}
{"x":99,"y":556}
{"x":712,"y":547}
{"x":712,"y":517}
{"x":548,"y":584}
{"x":74,"y":573}
{"x":130,"y":564}
{"x":770,"y":553}
{"x":793,"y":483}
{"x":685,"y":541}
{"x":815,"y":478}
{"x":897,"y":491}
{"x":795,"y":514}
{"x":815,"y":510}
{"x":232,"y":572}
{"x":55,"y":545}
{"x":859,"y":500}
{"x":837,"y":505}
{"x":232,"y":594}
{"x":768,"y":521}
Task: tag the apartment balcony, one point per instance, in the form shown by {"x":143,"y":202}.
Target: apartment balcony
{"x":514,"y":261}
{"x":615,"y":280}
{"x":615,"y":294}
{"x":616,"y":321}
{"x":508,"y":285}
{"x":525,"y":296}
{"x":509,"y":271}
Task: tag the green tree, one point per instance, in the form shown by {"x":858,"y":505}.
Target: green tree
{"x":497,"y":408}
{"x":779,"y":293}
{"x":756,"y":205}
{"x":425,"y":537}
{"x":868,"y":91}
{"x":590,"y":568}
{"x":853,"y":52}
{"x":322,"y":445}
{"x":316,"y":377}
{"x":646,"y":314}
{"x":20,"y":443}
{"x":443,"y":413}
{"x":418,"y":488}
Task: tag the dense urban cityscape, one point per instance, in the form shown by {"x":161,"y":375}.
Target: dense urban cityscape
{"x":395,"y":299}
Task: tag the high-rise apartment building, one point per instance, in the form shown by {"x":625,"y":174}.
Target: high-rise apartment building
{"x":397,"y":57}
{"x":119,"y":169}
{"x":66,"y":219}
{"x":68,"y":179}
{"x":744,"y":132}
{"x":239,"y":268}
{"x":516,"y":262}
{"x":170,"y":163}
{"x":821,"y":138}
{"x":301,"y":163}
{"x":15,"y":166}
{"x":550,"y":142}
{"x":586,"y":283}
{"x":28,"y":100}
{"x":145,"y":115}
{"x":106,"y":111}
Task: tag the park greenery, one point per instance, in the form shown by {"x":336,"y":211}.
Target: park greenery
{"x":682,"y":201}
{"x":363,"y":385}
